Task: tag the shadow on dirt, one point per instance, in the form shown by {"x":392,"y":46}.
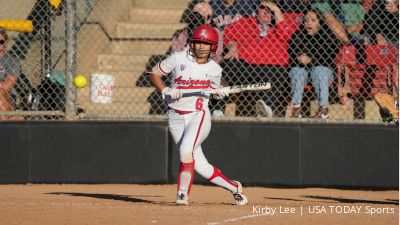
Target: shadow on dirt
{"x":124,"y":198}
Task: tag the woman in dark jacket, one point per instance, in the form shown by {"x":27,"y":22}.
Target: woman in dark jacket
{"x":382,"y":23}
{"x":312,"y":51}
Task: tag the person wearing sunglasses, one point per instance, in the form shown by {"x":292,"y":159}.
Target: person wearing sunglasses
{"x":257,"y":52}
{"x":9,"y":73}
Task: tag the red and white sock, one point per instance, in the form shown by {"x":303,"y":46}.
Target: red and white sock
{"x":185,"y":177}
{"x":219,"y":179}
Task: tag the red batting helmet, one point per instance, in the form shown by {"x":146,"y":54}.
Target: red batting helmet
{"x":204,"y":34}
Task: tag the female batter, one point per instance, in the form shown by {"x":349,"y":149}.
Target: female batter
{"x":189,"y":118}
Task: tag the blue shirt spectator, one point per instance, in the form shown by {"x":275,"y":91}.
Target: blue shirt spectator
{"x":226,"y":12}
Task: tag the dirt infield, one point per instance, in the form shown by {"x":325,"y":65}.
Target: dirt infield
{"x":154,"y":204}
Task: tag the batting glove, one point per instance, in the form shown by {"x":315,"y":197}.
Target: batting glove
{"x":172,"y":92}
{"x":221,"y":93}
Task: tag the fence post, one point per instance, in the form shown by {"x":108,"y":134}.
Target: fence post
{"x":46,"y":41}
{"x":70,"y":58}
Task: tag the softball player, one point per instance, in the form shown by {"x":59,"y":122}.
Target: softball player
{"x":189,"y":118}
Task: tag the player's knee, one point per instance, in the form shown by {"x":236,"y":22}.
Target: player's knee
{"x":186,"y":156}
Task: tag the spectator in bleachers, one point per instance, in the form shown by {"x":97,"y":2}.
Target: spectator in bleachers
{"x":257,"y":52}
{"x":381,"y":28}
{"x":226,"y":12}
{"x":382,"y":22}
{"x":9,"y":73}
{"x":312,"y":51}
{"x":344,"y":18}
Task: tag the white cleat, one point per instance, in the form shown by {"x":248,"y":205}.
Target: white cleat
{"x":239,"y":197}
{"x":182,"y":199}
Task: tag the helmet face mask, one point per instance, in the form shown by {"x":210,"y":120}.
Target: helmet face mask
{"x":204,"y":42}
{"x":202,"y":49}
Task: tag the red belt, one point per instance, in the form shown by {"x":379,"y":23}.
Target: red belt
{"x":180,"y":111}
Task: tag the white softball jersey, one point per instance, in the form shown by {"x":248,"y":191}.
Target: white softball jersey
{"x":189,"y":76}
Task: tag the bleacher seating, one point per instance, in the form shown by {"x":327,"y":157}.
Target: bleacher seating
{"x":376,"y":75}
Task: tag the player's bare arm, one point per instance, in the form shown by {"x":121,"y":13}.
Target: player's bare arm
{"x":155,"y":77}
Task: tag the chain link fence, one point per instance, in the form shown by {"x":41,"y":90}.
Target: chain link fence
{"x":325,"y":59}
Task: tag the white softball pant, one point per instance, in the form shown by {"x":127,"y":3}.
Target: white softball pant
{"x":189,"y":131}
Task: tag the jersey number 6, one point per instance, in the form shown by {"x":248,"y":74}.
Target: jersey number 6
{"x":199,"y":104}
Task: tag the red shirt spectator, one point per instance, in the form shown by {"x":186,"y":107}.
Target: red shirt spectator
{"x":257,"y":51}
{"x":254,"y":49}
{"x":367,"y":4}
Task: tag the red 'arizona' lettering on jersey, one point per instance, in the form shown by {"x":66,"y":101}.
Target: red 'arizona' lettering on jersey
{"x":189,"y":76}
{"x":191,"y":84}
